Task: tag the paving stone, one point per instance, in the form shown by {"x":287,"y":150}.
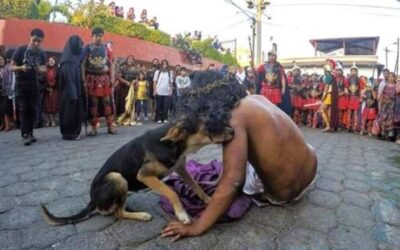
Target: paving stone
{"x":324,"y":198}
{"x":66,"y":169}
{"x":351,"y":238}
{"x":387,"y":212}
{"x":95,"y":223}
{"x":329,"y":185}
{"x":356,"y":199}
{"x":10,"y":240}
{"x":355,"y":175}
{"x":18,"y":189}
{"x":66,"y":206}
{"x":271,"y":216}
{"x":88,"y":241}
{"x":356,"y":185}
{"x":7,"y":203}
{"x":124,"y":230}
{"x":354,"y":216}
{"x":7,"y":180}
{"x":317,"y":218}
{"x":19,"y":217}
{"x":53,"y":183}
{"x":387,"y":236}
{"x":19,"y":170}
{"x":49,"y":235}
{"x":63,"y":170}
{"x":74,"y":189}
{"x":302,"y":238}
{"x":36,"y":198}
{"x":35,"y":175}
{"x":251,"y":237}
{"x":333,"y":175}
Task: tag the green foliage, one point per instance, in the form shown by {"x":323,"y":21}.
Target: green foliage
{"x":29,"y":9}
{"x":206,"y":49}
{"x":15,"y":8}
{"x":130,"y":29}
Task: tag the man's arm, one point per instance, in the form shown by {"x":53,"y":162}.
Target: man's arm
{"x":233,"y":176}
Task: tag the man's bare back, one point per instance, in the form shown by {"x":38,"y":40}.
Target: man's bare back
{"x":283,"y":161}
{"x":268,"y":139}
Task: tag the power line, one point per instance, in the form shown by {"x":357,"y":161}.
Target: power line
{"x":228,"y":27}
{"x":335,"y":5}
{"x":246,"y":13}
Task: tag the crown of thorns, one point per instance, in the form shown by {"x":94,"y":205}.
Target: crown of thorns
{"x":207,"y":89}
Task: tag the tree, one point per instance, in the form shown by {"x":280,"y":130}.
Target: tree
{"x":15,"y":8}
{"x":85,"y":13}
{"x":31,"y":9}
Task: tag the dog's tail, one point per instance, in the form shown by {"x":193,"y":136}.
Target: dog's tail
{"x":58,"y":221}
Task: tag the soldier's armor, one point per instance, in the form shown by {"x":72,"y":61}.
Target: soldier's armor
{"x":97,"y":60}
{"x":354,"y":88}
{"x":130,"y":74}
{"x":370,"y":99}
{"x":340,"y":84}
{"x":273,"y":74}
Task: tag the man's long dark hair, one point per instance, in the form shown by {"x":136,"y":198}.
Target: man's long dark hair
{"x":212,"y":98}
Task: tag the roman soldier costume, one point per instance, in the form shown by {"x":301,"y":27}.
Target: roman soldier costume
{"x":354,"y":87}
{"x":98,"y":70}
{"x":370,"y":111}
{"x":329,"y":107}
{"x":270,"y":87}
{"x":298,"y":91}
{"x":343,"y":100}
{"x":315,"y":91}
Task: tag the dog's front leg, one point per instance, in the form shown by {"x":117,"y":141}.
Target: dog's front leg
{"x":187,"y":178}
{"x":147,"y":175}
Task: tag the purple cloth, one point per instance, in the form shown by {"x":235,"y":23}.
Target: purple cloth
{"x":207,"y":176}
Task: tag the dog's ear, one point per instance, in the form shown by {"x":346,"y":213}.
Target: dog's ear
{"x":175,"y":134}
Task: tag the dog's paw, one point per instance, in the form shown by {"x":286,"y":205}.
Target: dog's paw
{"x":183,"y":217}
{"x":145,"y":216}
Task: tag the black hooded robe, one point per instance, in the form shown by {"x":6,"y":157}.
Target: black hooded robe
{"x":69,"y":79}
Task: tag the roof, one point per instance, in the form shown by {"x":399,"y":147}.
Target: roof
{"x":363,"y":61}
{"x":15,"y":32}
{"x":352,"y":45}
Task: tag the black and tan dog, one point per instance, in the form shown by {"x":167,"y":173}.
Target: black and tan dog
{"x":141,"y":163}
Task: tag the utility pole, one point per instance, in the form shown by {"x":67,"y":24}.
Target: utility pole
{"x":259,"y":29}
{"x":260,"y":6}
{"x":386,"y":57}
{"x":396,"y":67}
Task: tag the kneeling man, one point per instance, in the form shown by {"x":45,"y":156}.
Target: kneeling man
{"x":282,"y":164}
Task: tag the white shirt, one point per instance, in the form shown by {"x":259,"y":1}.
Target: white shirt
{"x":163,"y":81}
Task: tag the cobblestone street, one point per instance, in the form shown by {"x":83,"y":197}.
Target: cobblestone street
{"x":355,"y":203}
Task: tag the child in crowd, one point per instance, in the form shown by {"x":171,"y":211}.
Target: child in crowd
{"x":142,"y":90}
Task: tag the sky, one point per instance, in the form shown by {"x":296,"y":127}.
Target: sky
{"x":293,"y":22}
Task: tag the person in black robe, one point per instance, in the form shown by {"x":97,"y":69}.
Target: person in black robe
{"x":71,"y":91}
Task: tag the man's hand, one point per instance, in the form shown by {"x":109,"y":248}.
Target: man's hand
{"x":177,"y":230}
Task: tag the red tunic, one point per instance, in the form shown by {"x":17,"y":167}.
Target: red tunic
{"x":343,"y":99}
{"x":272,"y":93}
{"x":354,"y":85}
{"x":369,"y":114}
